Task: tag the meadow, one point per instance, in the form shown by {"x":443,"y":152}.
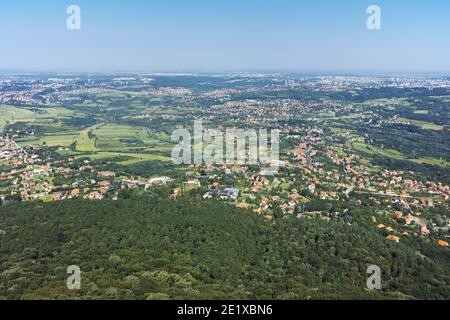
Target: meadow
{"x":394,"y":154}
{"x":422,"y":124}
{"x":104,"y":140}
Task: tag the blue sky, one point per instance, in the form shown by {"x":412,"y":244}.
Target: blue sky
{"x":219,"y":35}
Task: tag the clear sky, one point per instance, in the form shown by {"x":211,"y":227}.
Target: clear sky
{"x":224,"y":35}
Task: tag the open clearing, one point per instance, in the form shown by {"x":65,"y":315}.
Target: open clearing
{"x":11,"y":115}
{"x":134,"y":157}
{"x":390,"y":153}
{"x":371,"y":150}
{"x":423,"y":124}
{"x":86,"y":141}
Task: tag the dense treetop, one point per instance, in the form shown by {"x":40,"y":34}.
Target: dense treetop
{"x":151,"y":247}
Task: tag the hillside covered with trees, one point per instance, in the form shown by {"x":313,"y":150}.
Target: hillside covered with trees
{"x":152,"y":247}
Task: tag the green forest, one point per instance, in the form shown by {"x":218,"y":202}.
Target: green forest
{"x":152,"y":247}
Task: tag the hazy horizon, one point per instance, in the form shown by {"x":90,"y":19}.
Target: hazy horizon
{"x":315,"y":72}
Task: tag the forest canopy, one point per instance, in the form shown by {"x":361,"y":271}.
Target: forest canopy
{"x":148,"y":247}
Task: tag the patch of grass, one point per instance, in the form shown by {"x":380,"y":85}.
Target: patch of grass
{"x":374,"y":151}
{"x":23,"y":142}
{"x":423,"y":112}
{"x":85,"y":142}
{"x":46,"y":117}
{"x":11,"y":115}
{"x":60,"y":140}
{"x":433,"y":161}
{"x":113,"y":137}
{"x":371,"y":150}
{"x":423,"y":124}
{"x":133,"y":157}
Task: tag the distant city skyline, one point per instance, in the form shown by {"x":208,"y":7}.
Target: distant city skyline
{"x":225,"y":36}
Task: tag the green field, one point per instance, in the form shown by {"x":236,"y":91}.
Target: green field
{"x":423,"y":124}
{"x":101,"y":141}
{"x":84,"y":142}
{"x":106,"y":141}
{"x":433,"y":161}
{"x":133,"y":157}
{"x":373,"y":151}
{"x":112,"y":137}
{"x":45,"y":117}
{"x":62,"y":140}
{"x":10,"y":115}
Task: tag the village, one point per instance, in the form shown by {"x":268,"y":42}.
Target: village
{"x":36,"y":175}
{"x":315,"y":170}
{"x":322,"y":170}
